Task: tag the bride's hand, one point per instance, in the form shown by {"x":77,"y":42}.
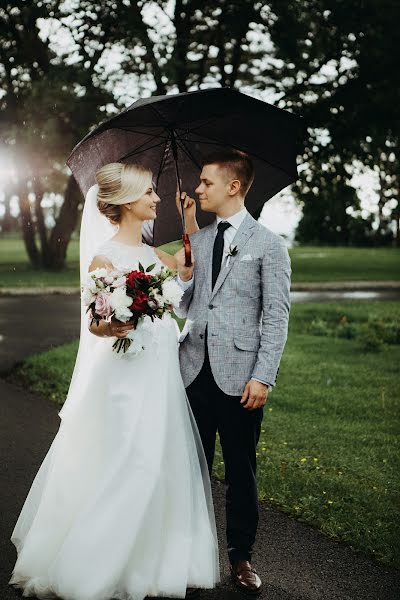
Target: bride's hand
{"x":110,"y":328}
{"x":118,"y":329}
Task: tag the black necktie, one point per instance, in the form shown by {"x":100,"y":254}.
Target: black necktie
{"x":218,"y":250}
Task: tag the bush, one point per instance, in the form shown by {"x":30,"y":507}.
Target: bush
{"x":347,"y":330}
{"x":371,"y":333}
{"x":319,"y":327}
{"x":369,"y":338}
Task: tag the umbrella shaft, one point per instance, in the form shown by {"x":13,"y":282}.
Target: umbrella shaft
{"x":175,"y":155}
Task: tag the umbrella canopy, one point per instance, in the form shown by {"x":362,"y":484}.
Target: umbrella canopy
{"x":193,"y":124}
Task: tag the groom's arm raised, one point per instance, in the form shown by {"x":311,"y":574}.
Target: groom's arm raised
{"x":275,"y":283}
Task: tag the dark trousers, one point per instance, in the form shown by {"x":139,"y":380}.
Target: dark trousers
{"x":239,"y":432}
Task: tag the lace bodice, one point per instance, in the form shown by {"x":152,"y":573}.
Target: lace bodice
{"x":127,"y":258}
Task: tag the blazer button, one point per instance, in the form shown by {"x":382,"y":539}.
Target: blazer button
{"x":211,"y":306}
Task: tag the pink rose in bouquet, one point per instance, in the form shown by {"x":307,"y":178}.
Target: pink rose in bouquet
{"x":102,"y":305}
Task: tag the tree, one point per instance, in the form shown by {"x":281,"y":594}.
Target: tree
{"x":50,"y":101}
{"x":42,"y":114}
{"x":337,"y":67}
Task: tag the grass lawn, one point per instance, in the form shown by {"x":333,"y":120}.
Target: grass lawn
{"x":329,"y":448}
{"x":310,"y":264}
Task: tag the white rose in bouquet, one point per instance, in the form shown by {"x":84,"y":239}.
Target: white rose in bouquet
{"x":172,"y":293}
{"x":120,"y":281}
{"x":87,"y":296}
{"x":90,"y":284}
{"x":120,"y":303}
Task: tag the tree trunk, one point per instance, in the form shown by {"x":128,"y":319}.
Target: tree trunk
{"x":65,"y":225}
{"x":40,"y":224}
{"x":7,"y":223}
{"x":27,"y":225}
{"x":382,"y":198}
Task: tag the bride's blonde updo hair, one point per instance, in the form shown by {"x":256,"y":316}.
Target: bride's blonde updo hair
{"x":119,"y":184}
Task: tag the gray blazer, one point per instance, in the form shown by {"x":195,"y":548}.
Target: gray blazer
{"x":246,"y":313}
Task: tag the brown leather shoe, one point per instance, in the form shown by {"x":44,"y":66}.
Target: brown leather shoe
{"x":245,"y":578}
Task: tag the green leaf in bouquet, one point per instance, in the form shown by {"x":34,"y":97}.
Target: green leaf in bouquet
{"x":141,"y":268}
{"x":150,"y":268}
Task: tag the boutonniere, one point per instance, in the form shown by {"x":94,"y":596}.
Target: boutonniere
{"x":233,"y":250}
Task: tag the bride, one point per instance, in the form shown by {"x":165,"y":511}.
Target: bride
{"x":121,"y":506}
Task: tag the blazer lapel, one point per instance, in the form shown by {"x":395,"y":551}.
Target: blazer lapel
{"x":243,"y":234}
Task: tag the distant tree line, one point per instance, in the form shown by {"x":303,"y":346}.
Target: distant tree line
{"x":331,"y":61}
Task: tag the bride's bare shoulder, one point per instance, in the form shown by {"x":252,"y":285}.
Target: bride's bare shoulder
{"x":167,"y":259}
{"x":100,"y":262}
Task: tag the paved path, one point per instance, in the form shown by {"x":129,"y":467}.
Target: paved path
{"x":31,"y":324}
{"x":295,"y":561}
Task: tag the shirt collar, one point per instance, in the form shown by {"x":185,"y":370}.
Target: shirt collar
{"x":236,"y":219}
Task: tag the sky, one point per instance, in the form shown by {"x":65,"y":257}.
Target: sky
{"x":281,"y":213}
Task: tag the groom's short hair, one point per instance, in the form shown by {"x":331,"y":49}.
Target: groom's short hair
{"x":238,"y":164}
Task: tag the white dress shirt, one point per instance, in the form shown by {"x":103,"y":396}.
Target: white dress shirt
{"x":229,"y":234}
{"x":235,"y":221}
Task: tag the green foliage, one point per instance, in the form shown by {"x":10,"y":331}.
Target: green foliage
{"x":370,"y":332}
{"x":335,"y":67}
{"x":369,"y":339}
{"x":319,"y":327}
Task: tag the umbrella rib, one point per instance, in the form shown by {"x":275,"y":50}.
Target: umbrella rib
{"x":159,"y":115}
{"x":206,"y":122}
{"x":186,"y":150}
{"x":225,"y":144}
{"x":140,"y":149}
{"x":166,"y":126}
{"x":162,"y":163}
{"x":153,"y":135}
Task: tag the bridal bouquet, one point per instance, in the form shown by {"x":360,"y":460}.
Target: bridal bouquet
{"x":112,"y":295}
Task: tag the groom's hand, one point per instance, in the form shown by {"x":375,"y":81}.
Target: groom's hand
{"x":255,"y":395}
{"x":189,"y":206}
{"x":185,"y":273}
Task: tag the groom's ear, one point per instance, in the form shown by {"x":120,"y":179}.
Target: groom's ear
{"x":234,"y":187}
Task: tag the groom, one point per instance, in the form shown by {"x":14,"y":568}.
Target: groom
{"x":236,"y":301}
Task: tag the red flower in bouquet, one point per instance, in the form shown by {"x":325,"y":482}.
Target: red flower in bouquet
{"x":135,"y":278}
{"x":140,"y":301}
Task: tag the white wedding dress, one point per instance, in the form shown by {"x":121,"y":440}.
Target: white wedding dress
{"x":121,"y":505}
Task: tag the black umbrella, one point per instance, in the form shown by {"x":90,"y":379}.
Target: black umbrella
{"x":172,"y":134}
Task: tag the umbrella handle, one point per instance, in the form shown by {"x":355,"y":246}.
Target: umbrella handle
{"x":188,"y":250}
